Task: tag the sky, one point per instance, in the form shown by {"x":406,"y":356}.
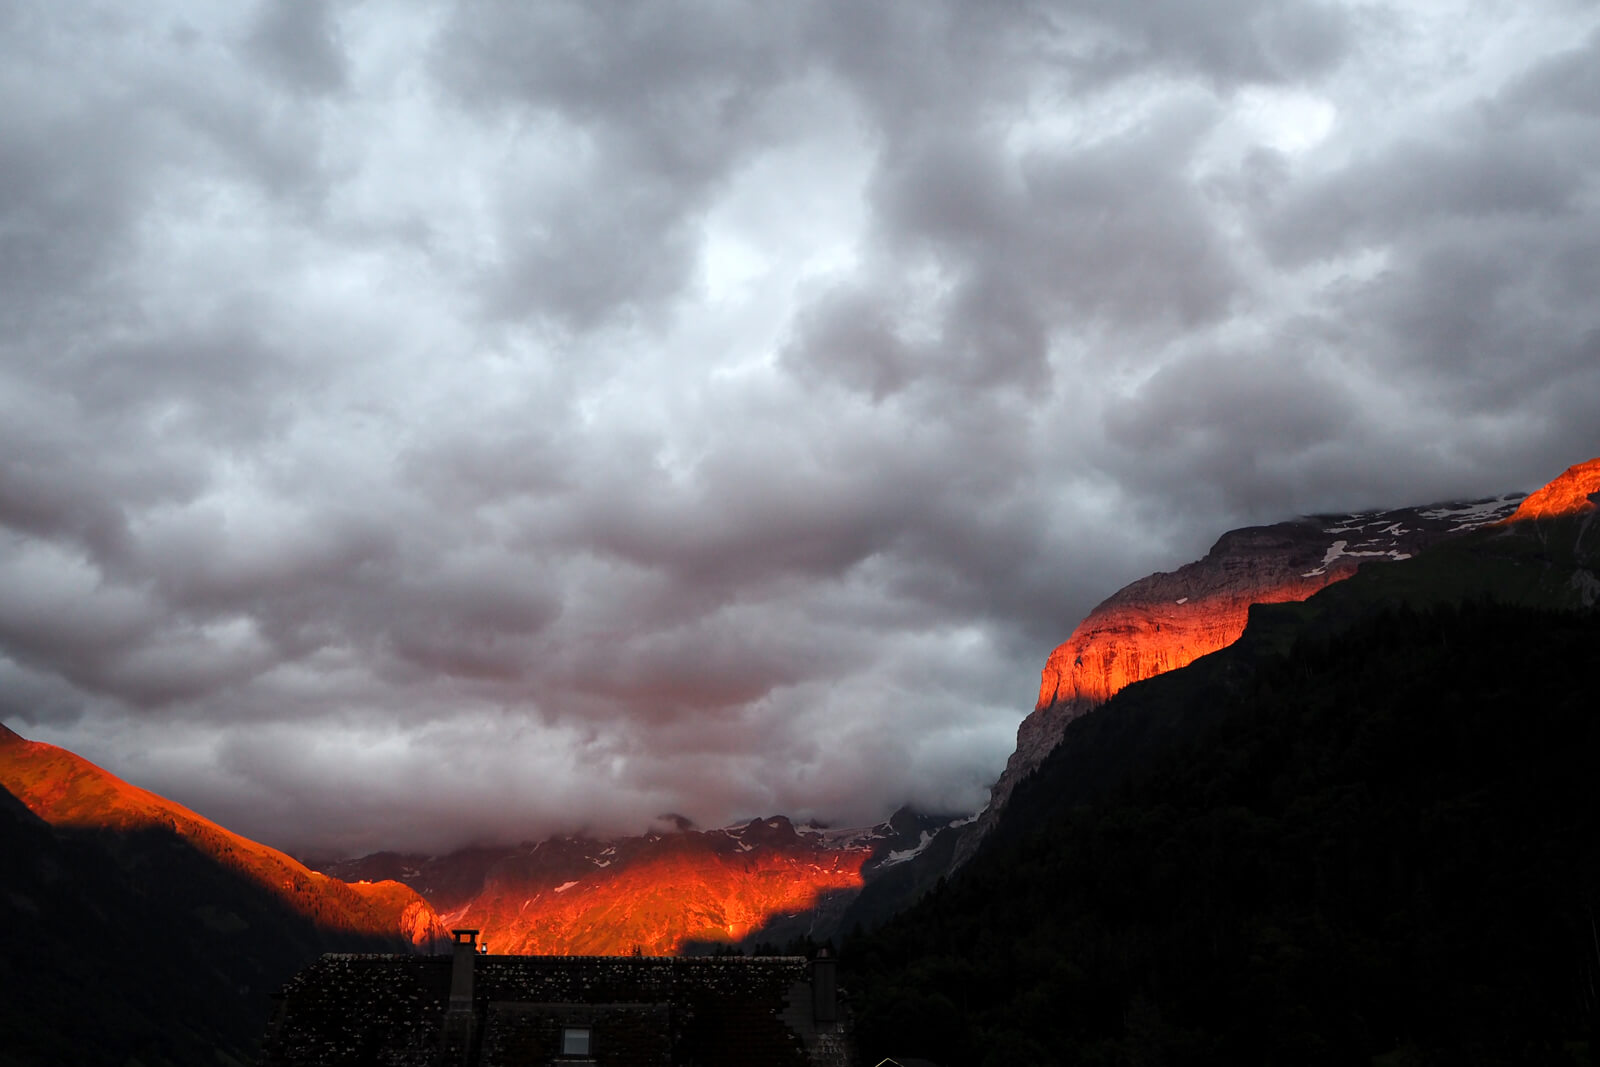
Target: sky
{"x":426,"y":422}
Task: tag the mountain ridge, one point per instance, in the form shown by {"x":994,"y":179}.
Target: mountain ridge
{"x":134,"y":944}
{"x":152,"y":869}
{"x":1168,"y":619}
{"x":69,"y":792}
{"x":761,"y":882}
{"x":1196,"y":609}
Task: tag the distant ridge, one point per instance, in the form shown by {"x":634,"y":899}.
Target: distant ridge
{"x":763,"y":883}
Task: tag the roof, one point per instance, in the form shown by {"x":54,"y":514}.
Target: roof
{"x":370,"y":1009}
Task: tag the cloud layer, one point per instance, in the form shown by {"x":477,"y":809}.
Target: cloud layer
{"x":421,"y":424}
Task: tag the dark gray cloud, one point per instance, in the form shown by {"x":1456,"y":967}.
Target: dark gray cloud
{"x":422,"y":424}
{"x":297,"y":42}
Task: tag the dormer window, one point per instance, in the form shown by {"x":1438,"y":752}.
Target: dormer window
{"x":575,"y":1041}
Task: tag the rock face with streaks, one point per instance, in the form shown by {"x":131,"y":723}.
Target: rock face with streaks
{"x":1169,"y":619}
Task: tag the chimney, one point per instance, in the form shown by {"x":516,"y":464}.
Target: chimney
{"x":458,"y":1017}
{"x":824,"y":988}
{"x":465,"y":948}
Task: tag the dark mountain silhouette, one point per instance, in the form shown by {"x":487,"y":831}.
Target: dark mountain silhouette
{"x":134,"y":931}
{"x":1361,"y":833}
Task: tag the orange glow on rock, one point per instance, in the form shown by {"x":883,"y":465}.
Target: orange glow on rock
{"x":68,"y":791}
{"x":1574,"y":492}
{"x":684,"y":888}
{"x":1167,"y":621}
{"x":1122,"y":643}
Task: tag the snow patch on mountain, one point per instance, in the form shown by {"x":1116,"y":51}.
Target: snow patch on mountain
{"x":1470,"y":516}
{"x":903,"y":855}
{"x":1340,"y":550}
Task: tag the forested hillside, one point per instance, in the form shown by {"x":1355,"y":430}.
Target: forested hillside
{"x":1376,"y":846}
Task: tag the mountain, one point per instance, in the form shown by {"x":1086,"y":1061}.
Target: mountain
{"x":1167,"y":620}
{"x":1542,"y":558}
{"x":770,"y":882}
{"x":1196,"y":765}
{"x":69,"y":792}
{"x":766,"y":881}
{"x":133,"y":930}
{"x":1362,"y":832}
{"x":1376,"y":848}
{"x":1575,"y":493}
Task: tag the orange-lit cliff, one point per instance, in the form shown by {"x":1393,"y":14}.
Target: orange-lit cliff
{"x":1575,"y":492}
{"x":1167,"y":620}
{"x":68,"y":791}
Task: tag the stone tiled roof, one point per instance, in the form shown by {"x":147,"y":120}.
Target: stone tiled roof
{"x":350,"y":1010}
{"x":357,"y":1009}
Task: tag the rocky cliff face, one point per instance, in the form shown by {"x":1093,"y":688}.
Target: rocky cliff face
{"x":1575,"y":492}
{"x":1167,"y":620}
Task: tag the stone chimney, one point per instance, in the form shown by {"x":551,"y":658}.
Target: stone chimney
{"x":824,"y":988}
{"x":465,"y":950}
{"x":458,"y":1017}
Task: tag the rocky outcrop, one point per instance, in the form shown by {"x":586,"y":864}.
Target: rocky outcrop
{"x":1575,"y":492}
{"x":1167,"y":620}
{"x":1562,"y":517}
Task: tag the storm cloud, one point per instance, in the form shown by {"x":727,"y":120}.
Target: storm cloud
{"x":432,"y":423}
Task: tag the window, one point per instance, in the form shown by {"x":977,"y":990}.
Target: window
{"x":575,"y":1041}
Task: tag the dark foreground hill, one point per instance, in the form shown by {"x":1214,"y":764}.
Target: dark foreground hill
{"x":135,"y":932}
{"x":1378,"y":846}
{"x":133,"y":947}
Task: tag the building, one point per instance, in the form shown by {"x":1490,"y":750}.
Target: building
{"x":470,"y":1009}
